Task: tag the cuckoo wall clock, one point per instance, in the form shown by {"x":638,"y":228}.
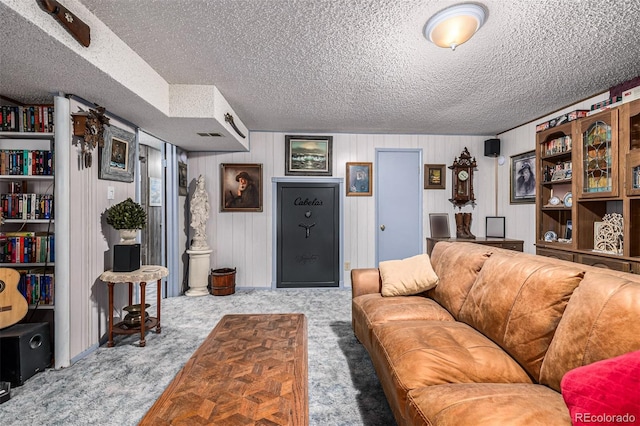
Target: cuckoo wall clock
{"x":462,"y":174}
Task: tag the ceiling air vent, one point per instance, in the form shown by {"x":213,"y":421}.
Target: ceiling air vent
{"x":210,"y":135}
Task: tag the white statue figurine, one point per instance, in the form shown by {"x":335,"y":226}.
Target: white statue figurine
{"x":199,"y":215}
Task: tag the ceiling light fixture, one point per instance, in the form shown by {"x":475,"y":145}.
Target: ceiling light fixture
{"x":454,"y":25}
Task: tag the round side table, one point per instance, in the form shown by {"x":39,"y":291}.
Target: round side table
{"x":141,"y":276}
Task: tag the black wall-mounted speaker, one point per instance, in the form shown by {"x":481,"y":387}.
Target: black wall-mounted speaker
{"x":126,"y":257}
{"x":492,"y":147}
{"x":25,"y":349}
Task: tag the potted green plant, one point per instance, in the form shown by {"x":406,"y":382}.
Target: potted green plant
{"x":127,"y":217}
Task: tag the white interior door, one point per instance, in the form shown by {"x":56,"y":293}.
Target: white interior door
{"x":398,"y":203}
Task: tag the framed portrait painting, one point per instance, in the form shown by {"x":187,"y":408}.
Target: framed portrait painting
{"x":434,"y":176}
{"x":359,"y":179}
{"x":308,"y":155}
{"x":523,"y":178}
{"x":240,"y":187}
{"x":117,"y":156}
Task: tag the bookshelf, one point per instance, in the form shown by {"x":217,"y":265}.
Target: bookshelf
{"x":27,"y":234}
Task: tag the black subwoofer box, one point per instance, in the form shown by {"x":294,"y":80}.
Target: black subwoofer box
{"x":126,"y":257}
{"x":25,"y":349}
{"x":492,"y":147}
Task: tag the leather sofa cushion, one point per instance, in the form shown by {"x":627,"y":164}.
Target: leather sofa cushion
{"x":412,"y":354}
{"x":518,"y":304}
{"x":457,"y":266}
{"x":600,"y":322}
{"x":370,"y":309}
{"x":516,"y":404}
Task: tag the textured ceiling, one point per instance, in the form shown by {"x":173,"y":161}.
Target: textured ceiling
{"x":365,"y":66}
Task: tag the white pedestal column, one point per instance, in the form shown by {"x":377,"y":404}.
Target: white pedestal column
{"x":199,"y":265}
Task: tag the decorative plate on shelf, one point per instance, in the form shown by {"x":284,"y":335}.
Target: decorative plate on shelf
{"x":550,"y":236}
{"x":554,"y":201}
{"x":568,"y":199}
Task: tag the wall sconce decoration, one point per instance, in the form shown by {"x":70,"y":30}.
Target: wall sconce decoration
{"x":88,"y":127}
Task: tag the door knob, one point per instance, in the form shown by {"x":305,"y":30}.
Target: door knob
{"x":382,"y":227}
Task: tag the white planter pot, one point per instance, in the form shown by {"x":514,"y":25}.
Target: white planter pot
{"x":128,"y":236}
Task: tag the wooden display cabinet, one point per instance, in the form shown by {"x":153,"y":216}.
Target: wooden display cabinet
{"x":605,"y":159}
{"x":554,"y":164}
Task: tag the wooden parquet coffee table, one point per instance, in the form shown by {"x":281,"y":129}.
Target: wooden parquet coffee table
{"x":251,"y":370}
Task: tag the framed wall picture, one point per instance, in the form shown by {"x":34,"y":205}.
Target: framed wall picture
{"x":155,"y":192}
{"x":523,"y":178}
{"x":439,"y":224}
{"x":117,"y":156}
{"x":240,"y":187}
{"x":495,"y":227}
{"x":308,"y":155}
{"x":182,"y":179}
{"x":359,"y":178}
{"x":434,"y":176}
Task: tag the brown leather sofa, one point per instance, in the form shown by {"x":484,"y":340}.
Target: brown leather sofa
{"x":491,"y":342}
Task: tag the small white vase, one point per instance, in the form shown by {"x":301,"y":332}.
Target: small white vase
{"x":128,"y":236}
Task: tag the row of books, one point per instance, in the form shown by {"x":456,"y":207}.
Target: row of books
{"x":557,"y":146}
{"x":31,"y":118}
{"x":27,"y":206}
{"x":37,"y":288}
{"x":26,"y":162}
{"x":27,"y":247}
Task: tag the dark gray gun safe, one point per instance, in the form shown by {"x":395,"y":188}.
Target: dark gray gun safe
{"x":308,"y":235}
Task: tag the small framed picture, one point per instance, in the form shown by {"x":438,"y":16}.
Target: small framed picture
{"x":359,"y":179}
{"x":495,"y":226}
{"x":155,"y":192}
{"x":117,"y":156}
{"x":434,"y":176}
{"x":568,"y":230}
{"x":439,"y":224}
{"x":523,"y":178}
{"x":308,"y":155}
{"x":241,"y":187}
{"x":182,"y":178}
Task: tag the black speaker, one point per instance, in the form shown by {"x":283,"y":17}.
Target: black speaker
{"x":126,"y":257}
{"x":492,"y":147}
{"x":25,"y":349}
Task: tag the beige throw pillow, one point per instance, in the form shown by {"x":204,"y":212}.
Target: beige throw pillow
{"x":408,"y":276}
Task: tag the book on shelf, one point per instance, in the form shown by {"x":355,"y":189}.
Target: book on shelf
{"x":37,"y":286}
{"x":557,"y":146}
{"x":24,"y":162}
{"x":27,"y":206}
{"x":28,"y":118}
{"x":27,"y":247}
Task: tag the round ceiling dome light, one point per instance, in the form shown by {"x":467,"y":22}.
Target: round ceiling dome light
{"x":454,"y":25}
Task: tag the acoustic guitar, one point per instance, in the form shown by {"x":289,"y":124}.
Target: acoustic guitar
{"x":13,"y":305}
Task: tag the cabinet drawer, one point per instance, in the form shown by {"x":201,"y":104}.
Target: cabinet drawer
{"x":512,"y":246}
{"x":604,"y":262}
{"x":556,"y":254}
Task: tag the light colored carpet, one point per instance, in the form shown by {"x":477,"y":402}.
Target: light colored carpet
{"x":116,"y":386}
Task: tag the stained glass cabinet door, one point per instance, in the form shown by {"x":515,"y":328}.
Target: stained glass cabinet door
{"x":599,"y":156}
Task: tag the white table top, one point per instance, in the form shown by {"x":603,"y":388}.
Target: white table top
{"x":145,"y":274}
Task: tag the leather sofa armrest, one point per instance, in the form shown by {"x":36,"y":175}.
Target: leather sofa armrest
{"x":365,"y":281}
